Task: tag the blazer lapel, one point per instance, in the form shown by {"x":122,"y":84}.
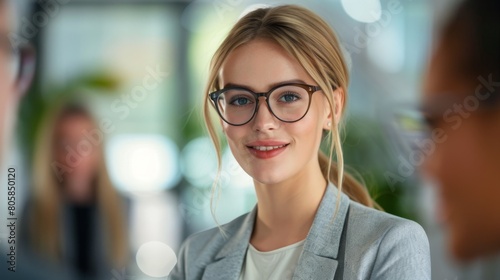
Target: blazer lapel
{"x":318,"y":259}
{"x":227,"y":268}
{"x":228,"y":262}
{"x":312,"y":266}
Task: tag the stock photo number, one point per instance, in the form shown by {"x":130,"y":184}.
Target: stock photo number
{"x":11,"y":218}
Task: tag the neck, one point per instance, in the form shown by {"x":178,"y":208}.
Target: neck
{"x":286,"y":210}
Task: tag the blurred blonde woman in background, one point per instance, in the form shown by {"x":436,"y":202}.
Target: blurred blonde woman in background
{"x":279,"y":83}
{"x":74,"y":216}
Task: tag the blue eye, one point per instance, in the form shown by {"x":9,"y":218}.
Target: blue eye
{"x":288,"y":97}
{"x":240,"y":101}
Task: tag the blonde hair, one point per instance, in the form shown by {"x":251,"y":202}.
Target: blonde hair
{"x":45,"y":220}
{"x":310,"y":40}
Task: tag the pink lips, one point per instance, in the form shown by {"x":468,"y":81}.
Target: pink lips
{"x":266,"y":149}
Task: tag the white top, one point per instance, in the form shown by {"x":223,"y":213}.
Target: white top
{"x":276,"y":264}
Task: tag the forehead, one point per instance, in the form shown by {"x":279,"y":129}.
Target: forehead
{"x":260,"y":64}
{"x":447,"y":73}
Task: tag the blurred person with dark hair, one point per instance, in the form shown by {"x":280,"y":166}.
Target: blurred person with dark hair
{"x":74,"y":216}
{"x":461,"y":103}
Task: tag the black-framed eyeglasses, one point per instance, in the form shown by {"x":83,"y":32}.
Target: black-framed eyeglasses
{"x":417,"y":124}
{"x":287,"y":102}
{"x":445,"y":108}
{"x":19,"y":62}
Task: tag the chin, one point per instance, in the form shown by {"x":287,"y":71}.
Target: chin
{"x":267,"y":177}
{"x":267,"y":180}
{"x":467,"y":246}
{"x":459,"y":252}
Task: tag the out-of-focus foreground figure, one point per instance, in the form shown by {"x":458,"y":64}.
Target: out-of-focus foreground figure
{"x":462,"y":106}
{"x":16,"y":71}
{"x":8,"y":100}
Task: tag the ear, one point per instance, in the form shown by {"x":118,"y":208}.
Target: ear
{"x":333,"y":118}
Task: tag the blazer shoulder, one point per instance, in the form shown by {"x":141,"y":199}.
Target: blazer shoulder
{"x":391,"y":247}
{"x":379,"y":222}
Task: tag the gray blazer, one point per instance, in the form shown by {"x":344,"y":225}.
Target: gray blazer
{"x":360,"y":243}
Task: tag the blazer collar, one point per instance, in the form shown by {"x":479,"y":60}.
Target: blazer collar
{"x":228,"y":262}
{"x":320,"y":248}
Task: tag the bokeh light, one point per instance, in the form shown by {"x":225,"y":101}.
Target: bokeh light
{"x":363,"y":10}
{"x":156,"y":259}
{"x":143,"y":162}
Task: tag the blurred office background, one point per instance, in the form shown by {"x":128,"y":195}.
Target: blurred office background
{"x":140,"y":66}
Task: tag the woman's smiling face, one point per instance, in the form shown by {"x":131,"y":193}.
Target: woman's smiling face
{"x":269,"y":150}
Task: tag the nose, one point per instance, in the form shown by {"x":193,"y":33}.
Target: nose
{"x":432,"y":163}
{"x":264,"y":119}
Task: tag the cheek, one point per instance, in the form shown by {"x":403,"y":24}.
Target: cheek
{"x":3,"y":103}
{"x":7,"y":102}
{"x":459,"y":161}
{"x":468,"y":178}
{"x":60,"y":156}
{"x":492,"y":139}
{"x":472,"y":157}
{"x":93,"y":157}
{"x":4,"y":87}
{"x":233,"y":133}
{"x":307,"y":134}
{"x":313,"y":122}
{"x":235,"y":136}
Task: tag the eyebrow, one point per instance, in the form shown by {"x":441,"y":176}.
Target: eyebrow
{"x":272,"y":85}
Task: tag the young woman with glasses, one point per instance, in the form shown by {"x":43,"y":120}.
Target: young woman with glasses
{"x":279,"y":83}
